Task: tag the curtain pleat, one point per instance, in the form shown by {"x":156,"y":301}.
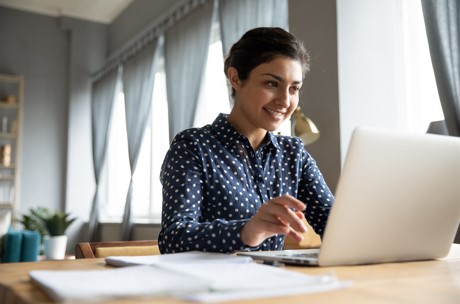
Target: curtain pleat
{"x":442,"y":22}
{"x":186,"y":51}
{"x":239,"y":16}
{"x":138,"y":82}
{"x":103,"y":95}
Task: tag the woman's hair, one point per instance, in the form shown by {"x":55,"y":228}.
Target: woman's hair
{"x":264,"y":44}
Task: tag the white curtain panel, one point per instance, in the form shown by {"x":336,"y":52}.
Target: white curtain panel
{"x":186,"y":51}
{"x":104,"y":91}
{"x":239,"y":16}
{"x":138,"y":82}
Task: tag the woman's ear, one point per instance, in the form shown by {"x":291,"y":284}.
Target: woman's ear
{"x":232,"y":74}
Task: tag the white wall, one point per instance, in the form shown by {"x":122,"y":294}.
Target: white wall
{"x":371,"y":69}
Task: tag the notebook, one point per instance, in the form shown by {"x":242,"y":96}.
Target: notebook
{"x":398,"y":199}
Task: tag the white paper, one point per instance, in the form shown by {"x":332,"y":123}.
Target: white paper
{"x":95,"y":285}
{"x":193,"y":276}
{"x":195,"y":257}
{"x":249,"y":276}
{"x":214,"y":297}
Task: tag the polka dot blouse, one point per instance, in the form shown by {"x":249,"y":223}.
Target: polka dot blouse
{"x":214,"y":182}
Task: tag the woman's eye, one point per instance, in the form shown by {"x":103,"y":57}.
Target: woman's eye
{"x":272,"y":84}
{"x":295,"y":89}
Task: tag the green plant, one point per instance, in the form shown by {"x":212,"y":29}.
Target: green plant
{"x":52,"y":223}
{"x":30,"y":222}
{"x":55,"y":223}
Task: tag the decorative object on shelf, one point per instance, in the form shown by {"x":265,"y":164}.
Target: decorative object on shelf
{"x":9,"y":99}
{"x":52,"y":226}
{"x":303,"y":127}
{"x":5,"y":154}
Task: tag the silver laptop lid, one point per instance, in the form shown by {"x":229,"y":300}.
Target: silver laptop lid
{"x":398,"y":199}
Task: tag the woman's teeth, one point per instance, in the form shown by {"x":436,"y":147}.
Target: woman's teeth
{"x":275,"y":113}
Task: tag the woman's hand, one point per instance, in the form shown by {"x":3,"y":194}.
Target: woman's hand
{"x":275,"y":217}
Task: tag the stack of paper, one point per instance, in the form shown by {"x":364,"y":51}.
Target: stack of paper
{"x":192,"y":257}
{"x":197,"y":276}
{"x":94,"y":285}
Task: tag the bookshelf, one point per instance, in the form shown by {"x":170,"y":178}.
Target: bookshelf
{"x":11,"y":102}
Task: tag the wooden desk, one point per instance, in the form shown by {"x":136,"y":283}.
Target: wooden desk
{"x":430,"y":282}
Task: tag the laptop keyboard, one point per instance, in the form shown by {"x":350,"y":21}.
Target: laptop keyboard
{"x":310,"y":255}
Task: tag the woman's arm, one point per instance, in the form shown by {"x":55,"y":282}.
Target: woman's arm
{"x":315,"y":193}
{"x":184,"y":198}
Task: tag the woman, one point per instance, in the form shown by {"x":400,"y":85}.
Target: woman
{"x":234,"y":185}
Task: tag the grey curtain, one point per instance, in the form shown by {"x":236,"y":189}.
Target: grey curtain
{"x":238,"y":16}
{"x":186,"y":51}
{"x":138,"y":82}
{"x":103,"y":95}
{"x":442,"y":22}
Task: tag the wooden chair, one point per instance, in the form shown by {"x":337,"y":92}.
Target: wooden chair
{"x":311,"y":240}
{"x":93,"y":250}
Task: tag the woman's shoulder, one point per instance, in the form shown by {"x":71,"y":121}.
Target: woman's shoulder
{"x":289,"y":142}
{"x":193,"y":135}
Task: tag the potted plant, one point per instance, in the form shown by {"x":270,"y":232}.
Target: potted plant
{"x":55,"y":224}
{"x":32,"y":223}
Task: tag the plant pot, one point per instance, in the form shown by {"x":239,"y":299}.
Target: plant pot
{"x":55,"y":247}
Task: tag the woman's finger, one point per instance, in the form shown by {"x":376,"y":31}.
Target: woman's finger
{"x":288,"y":201}
{"x":276,"y":212}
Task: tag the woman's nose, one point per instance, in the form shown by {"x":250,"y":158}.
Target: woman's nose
{"x":283,"y":97}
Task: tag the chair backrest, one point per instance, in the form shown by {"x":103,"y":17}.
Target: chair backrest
{"x":90,"y":250}
{"x":310,"y":240}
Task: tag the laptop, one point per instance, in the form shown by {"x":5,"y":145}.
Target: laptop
{"x":398,"y":199}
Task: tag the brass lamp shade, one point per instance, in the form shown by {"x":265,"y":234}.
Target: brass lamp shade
{"x":303,"y":127}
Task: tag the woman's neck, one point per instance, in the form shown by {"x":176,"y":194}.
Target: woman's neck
{"x":254,"y":135}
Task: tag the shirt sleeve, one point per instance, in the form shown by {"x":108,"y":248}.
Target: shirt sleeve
{"x":182,"y":177}
{"x":315,"y":193}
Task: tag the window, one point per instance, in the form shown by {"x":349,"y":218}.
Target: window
{"x":385,"y":72}
{"x":147,"y":190}
{"x":147,"y":193}
{"x":423,"y":104}
{"x":214,"y":94}
{"x":146,"y":185}
{"x":117,"y":162}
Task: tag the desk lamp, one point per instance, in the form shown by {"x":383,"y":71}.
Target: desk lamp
{"x":303,"y":127}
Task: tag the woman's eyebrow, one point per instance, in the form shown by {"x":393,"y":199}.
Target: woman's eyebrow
{"x":279,"y":78}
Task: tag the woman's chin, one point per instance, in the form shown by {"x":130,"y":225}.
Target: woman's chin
{"x":273,"y":128}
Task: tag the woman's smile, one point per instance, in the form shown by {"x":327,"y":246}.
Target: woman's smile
{"x":275,"y":114}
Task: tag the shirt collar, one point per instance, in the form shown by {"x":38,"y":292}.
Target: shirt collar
{"x":274,"y":141}
{"x":228,"y":134}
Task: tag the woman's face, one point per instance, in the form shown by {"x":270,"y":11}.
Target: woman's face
{"x":269,"y":95}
